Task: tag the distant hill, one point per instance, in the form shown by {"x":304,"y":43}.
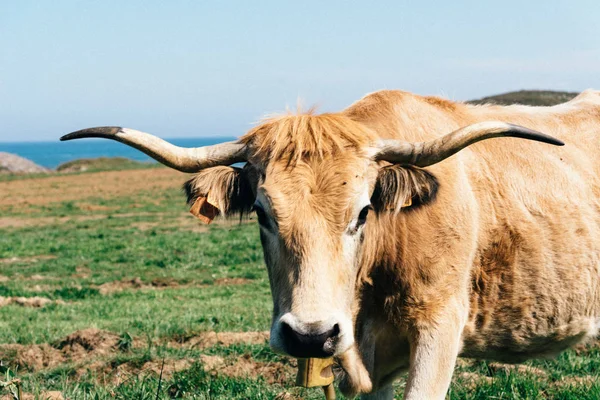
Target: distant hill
{"x":528,"y":97}
{"x":102,"y":164}
{"x":14,"y":164}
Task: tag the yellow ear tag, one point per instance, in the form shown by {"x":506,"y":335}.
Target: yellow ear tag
{"x":204,"y":209}
{"x":407,"y":203}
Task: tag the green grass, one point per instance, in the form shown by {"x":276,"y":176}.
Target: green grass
{"x":150,"y":236}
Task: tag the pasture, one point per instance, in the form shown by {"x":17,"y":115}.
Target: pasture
{"x":109,"y":288}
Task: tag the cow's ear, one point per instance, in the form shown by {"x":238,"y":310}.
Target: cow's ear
{"x":399,"y":188}
{"x":229,"y":189}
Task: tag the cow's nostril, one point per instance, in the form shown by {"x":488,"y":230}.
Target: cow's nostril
{"x":335,"y":331}
{"x":286,"y":330}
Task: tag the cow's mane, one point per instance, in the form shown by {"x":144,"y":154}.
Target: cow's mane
{"x":294,"y":137}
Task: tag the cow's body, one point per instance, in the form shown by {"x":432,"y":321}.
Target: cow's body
{"x":506,"y":260}
{"x":492,"y":252}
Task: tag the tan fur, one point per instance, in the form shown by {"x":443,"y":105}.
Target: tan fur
{"x":503,"y":263}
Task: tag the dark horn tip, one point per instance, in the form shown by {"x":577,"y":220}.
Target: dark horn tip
{"x":540,"y":137}
{"x":101,"y":131}
{"x":550,"y":140}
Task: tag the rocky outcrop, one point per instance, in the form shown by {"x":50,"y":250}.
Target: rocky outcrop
{"x":14,"y":164}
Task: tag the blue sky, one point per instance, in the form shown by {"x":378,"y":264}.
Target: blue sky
{"x":200,"y":68}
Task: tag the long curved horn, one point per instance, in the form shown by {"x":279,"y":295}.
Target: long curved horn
{"x":183,"y":159}
{"x":423,"y":154}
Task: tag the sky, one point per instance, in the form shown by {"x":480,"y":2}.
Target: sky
{"x":215,"y":68}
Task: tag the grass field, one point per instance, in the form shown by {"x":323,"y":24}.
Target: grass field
{"x":106,"y":281}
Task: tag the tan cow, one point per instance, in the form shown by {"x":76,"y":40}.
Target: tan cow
{"x":391,"y":252}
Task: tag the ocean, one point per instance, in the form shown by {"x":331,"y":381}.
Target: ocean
{"x":52,"y":154}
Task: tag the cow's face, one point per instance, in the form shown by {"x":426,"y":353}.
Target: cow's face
{"x":312,"y":219}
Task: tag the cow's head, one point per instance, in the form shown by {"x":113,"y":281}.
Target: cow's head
{"x":314,"y":182}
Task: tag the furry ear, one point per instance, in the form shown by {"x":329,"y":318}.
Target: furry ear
{"x":229,"y":187}
{"x":403,"y":188}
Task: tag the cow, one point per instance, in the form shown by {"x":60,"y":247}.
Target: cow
{"x":398,"y":236}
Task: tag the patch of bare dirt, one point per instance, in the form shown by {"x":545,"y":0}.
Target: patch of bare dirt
{"x":145,"y":226}
{"x":119,"y":286}
{"x":241,"y":367}
{"x":136,"y":283}
{"x":245,"y":367}
{"x":78,"y":346}
{"x":105,"y":185}
{"x":472,"y":379}
{"x":81,"y":272}
{"x":34,"y":302}
{"x":286,"y":396}
{"x":82,"y":344}
{"x":31,"y":357}
{"x":568,"y":381}
{"x":160,"y":283}
{"x":107,"y":371}
{"x":88,"y":344}
{"x":31,"y":259}
{"x":210,"y":339}
{"x":12,"y":222}
{"x":23,"y":222}
{"x":164,"y":282}
{"x":95,"y":207}
{"x":231,"y":281}
{"x":519,"y":368}
{"x":43,"y":288}
{"x":51,"y":395}
{"x":211,"y":363}
{"x":90,"y":349}
{"x":187,"y":222}
{"x":4,"y":278}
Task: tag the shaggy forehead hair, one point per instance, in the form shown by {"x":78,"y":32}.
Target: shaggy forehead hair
{"x":298,"y":137}
{"x":315,"y":167}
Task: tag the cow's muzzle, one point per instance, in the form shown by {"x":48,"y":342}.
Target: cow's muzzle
{"x":303,"y":339}
{"x":310,"y":342}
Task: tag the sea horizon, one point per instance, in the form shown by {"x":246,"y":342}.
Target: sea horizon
{"x":51,"y":153}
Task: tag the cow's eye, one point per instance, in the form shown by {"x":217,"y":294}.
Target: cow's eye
{"x":362,"y":217}
{"x":261,"y":214}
